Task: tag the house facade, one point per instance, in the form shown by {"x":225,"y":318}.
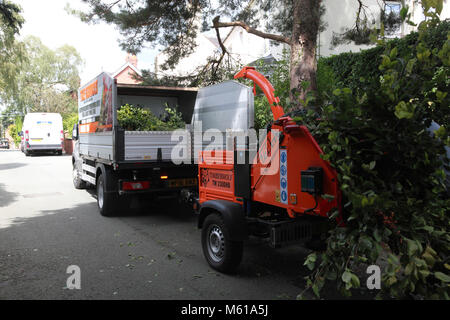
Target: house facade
{"x":128,"y":72}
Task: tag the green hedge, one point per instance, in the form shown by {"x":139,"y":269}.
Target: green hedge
{"x":357,"y":70}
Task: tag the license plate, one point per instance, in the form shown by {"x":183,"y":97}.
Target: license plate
{"x":187,"y":182}
{"x":36,"y":139}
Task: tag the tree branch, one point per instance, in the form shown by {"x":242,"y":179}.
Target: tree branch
{"x":217,"y":24}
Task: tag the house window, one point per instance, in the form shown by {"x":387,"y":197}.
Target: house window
{"x":391,"y":19}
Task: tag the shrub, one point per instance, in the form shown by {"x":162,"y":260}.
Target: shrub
{"x":138,"y":119}
{"x":13,"y":132}
{"x":373,"y":130}
{"x":68,"y":121}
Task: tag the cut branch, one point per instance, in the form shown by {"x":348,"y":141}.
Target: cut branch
{"x":217,"y":24}
{"x":224,"y":49}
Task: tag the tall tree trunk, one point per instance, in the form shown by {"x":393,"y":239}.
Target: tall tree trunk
{"x":303,"y":66}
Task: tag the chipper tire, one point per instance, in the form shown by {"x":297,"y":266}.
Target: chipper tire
{"x":221,"y":253}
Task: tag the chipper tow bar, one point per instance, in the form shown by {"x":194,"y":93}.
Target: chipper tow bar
{"x":278,"y":199}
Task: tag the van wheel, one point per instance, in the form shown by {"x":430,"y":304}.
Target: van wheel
{"x":107,"y":202}
{"x":221,"y":253}
{"x":76,"y":178}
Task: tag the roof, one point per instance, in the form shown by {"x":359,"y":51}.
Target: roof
{"x":123,"y":67}
{"x":267,"y":60}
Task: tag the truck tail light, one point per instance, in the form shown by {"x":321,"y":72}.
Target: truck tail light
{"x":27,"y":135}
{"x":164,"y":177}
{"x":135,"y":185}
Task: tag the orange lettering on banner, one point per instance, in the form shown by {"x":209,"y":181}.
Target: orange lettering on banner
{"x":89,"y":91}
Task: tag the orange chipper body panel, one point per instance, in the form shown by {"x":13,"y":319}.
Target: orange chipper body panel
{"x":297,"y":151}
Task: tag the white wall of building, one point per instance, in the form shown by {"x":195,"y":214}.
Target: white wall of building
{"x":242,"y":46}
{"x":341,"y":14}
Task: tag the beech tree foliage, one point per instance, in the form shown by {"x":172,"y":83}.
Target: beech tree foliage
{"x":11,"y":51}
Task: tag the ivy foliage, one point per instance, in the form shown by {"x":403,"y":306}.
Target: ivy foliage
{"x":69,"y":119}
{"x":133,"y":118}
{"x":374,"y":130}
{"x":14,"y":129}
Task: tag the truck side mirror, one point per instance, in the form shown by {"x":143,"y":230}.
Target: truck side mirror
{"x":75,"y":132}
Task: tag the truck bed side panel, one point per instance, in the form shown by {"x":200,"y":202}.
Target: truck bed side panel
{"x":97,"y":144}
{"x":144,"y":145}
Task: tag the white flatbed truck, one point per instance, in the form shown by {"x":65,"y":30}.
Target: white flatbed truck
{"x":121,"y":163}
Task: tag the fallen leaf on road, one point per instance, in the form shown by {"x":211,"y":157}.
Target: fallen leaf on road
{"x":171,"y":255}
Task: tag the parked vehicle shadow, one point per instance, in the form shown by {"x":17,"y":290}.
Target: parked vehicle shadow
{"x":6,"y":197}
{"x":143,"y":206}
{"x":47,"y":154}
{"x":7,"y":166}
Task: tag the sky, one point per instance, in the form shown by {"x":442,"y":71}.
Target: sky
{"x":97,"y":44}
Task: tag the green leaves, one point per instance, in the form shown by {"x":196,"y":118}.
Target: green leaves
{"x":310,"y":261}
{"x":374,"y":133}
{"x":404,"y":110}
{"x":413,"y":247}
{"x":442,"y":276}
{"x":350,"y":279}
{"x":138,"y":119}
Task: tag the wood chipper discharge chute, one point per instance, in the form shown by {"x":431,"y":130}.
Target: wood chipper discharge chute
{"x":274,"y":192}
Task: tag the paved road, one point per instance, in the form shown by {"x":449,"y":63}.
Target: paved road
{"x":47,"y":225}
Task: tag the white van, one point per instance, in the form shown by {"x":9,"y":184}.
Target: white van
{"x":42,"y":132}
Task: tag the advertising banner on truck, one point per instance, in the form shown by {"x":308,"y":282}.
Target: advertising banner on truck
{"x":95,"y":104}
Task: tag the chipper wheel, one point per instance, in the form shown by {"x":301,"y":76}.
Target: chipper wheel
{"x":221,"y":253}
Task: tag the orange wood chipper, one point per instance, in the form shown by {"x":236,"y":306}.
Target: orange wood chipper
{"x":279,"y":199}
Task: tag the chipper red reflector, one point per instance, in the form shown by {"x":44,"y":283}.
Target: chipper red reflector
{"x":135,"y":185}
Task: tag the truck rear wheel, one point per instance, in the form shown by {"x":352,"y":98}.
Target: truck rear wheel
{"x":107,"y":202}
{"x":221,"y":253}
